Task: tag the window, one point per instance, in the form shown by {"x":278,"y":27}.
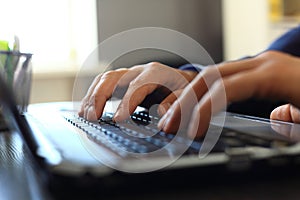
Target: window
{"x":60,"y":33}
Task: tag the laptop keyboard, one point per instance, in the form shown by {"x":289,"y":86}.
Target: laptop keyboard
{"x":137,"y":135}
{"x":140,"y":135}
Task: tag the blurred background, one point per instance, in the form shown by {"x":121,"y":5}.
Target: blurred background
{"x":62,"y":33}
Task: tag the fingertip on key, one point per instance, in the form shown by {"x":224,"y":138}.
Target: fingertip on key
{"x":91,"y":113}
{"x":118,"y":116}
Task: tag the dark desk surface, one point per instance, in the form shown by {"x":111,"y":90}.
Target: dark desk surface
{"x":19,"y":180}
{"x":17,"y":177}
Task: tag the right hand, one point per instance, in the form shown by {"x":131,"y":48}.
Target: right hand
{"x":140,"y":81}
{"x":270,"y":75}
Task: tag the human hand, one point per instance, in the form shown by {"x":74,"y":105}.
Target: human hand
{"x":138,"y":82}
{"x":272,"y":75}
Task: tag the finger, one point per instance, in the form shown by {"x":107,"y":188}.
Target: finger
{"x":104,"y":90}
{"x":162,"y":122}
{"x":85,"y":100}
{"x":132,"y":98}
{"x":153,"y":77}
{"x":168,"y":101}
{"x":189,"y":97}
{"x":168,"y":124}
{"x":101,"y":93}
{"x":207,"y":77}
{"x":233,"y":67}
{"x":179,"y":114}
{"x":211,"y":103}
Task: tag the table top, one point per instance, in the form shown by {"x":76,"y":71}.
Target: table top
{"x":17,"y":177}
{"x":20,"y":180}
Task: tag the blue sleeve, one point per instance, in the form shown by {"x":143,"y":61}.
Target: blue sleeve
{"x":288,"y":43}
{"x":192,"y":67}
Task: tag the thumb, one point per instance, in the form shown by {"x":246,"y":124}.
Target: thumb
{"x":287,"y":113}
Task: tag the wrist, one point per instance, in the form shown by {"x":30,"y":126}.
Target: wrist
{"x":190,"y":71}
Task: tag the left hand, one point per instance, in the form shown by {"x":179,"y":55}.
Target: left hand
{"x":138,"y":82}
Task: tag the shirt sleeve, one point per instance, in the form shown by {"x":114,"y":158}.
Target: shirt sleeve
{"x":193,"y":67}
{"x":288,"y":42}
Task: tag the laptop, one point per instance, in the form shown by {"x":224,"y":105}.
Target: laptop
{"x":79,"y":154}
